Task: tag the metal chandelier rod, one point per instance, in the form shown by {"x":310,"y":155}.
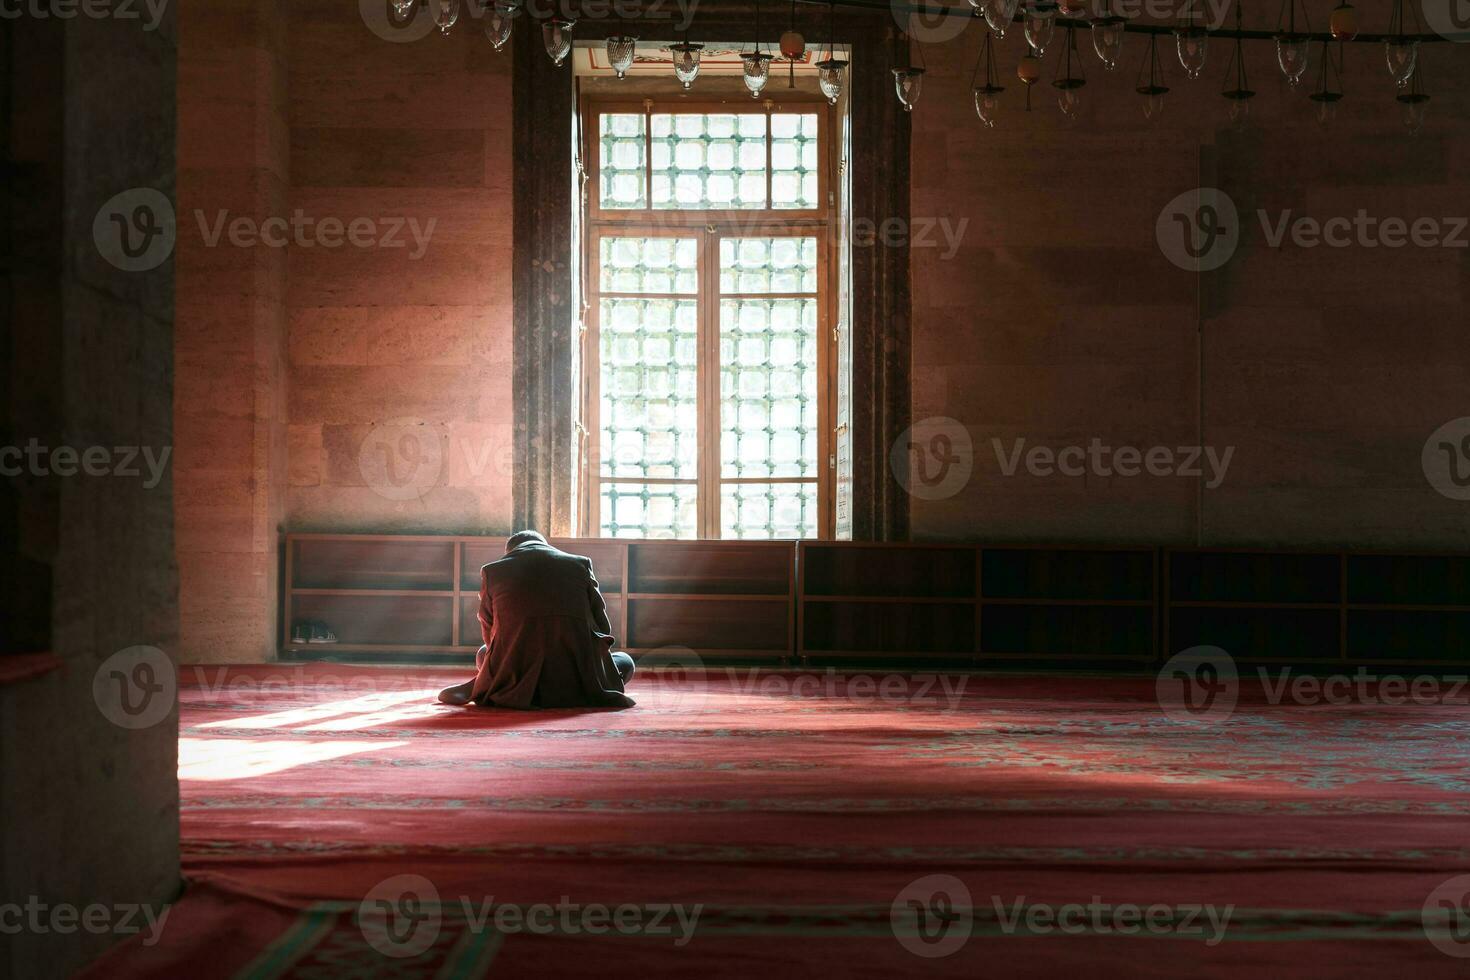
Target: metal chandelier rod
{"x":938,"y":10}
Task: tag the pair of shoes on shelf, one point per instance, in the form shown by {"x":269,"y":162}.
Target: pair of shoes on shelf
{"x":312,"y":631}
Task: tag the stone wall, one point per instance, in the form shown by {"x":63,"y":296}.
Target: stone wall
{"x":88,"y":807}
{"x":230,"y":409}
{"x":400,"y":350}
{"x":1058,"y":319}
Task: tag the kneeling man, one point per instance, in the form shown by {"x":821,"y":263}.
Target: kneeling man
{"x":546,"y":634}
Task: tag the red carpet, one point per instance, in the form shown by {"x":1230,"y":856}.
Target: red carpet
{"x":794,"y":819}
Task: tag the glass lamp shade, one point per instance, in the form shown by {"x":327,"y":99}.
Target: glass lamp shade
{"x":686,"y":61}
{"x":446,"y":13}
{"x":1191,"y":43}
{"x":1240,"y":111}
{"x":1153,"y":100}
{"x":987,"y":103}
{"x":1028,"y":69}
{"x":1416,"y":106}
{"x":497,"y":28}
{"x":1040,"y":24}
{"x":830,"y":76}
{"x":1344,"y":22}
{"x":999,"y":14}
{"x":1069,"y":96}
{"x":1107,"y":39}
{"x":908,"y":82}
{"x":620,"y":48}
{"x":1402,"y":54}
{"x":1072,"y":8}
{"x":757,"y":70}
{"x":1240,"y":107}
{"x":402,"y":8}
{"x":1292,"y":56}
{"x":793,"y":45}
{"x":556,"y":34}
{"x":1326,"y":105}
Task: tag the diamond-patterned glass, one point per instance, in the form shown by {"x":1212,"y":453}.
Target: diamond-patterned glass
{"x":709,"y":162}
{"x":621,"y":167}
{"x":794,"y":161}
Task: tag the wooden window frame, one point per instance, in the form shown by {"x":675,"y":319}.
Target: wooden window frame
{"x":709,"y":227}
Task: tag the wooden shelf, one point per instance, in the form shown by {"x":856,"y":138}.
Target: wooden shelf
{"x":939,"y":601}
{"x":966,"y":601}
{"x":1138,"y":603}
{"x":389,"y":593}
{"x":718,"y":598}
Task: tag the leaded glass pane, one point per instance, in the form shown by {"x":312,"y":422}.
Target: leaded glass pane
{"x":794,"y":161}
{"x":650,"y":265}
{"x":649,"y":400}
{"x":768,"y":510}
{"x":768,"y":387}
{"x":622,"y":164}
{"x":649,"y":510}
{"x":768,"y":265}
{"x":709,"y":162}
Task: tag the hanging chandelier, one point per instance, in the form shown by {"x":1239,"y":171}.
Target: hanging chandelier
{"x":1039,"y":24}
{"x":908,"y":81}
{"x":1327,"y":97}
{"x":686,"y":59}
{"x":999,"y":14}
{"x":757,"y":64}
{"x":620,"y":50}
{"x":498,"y":27}
{"x":832,"y":71}
{"x":987,"y":100}
{"x":1071,"y":78}
{"x":1400,"y":50}
{"x":1191,"y":42}
{"x":556,"y":35}
{"x":1415,"y":102}
{"x":1235,"y":87}
{"x":1293,"y":40}
{"x":1108,"y":31}
{"x":1152,"y":87}
{"x":446,"y":12}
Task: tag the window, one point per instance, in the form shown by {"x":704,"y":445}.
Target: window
{"x":707,"y":348}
